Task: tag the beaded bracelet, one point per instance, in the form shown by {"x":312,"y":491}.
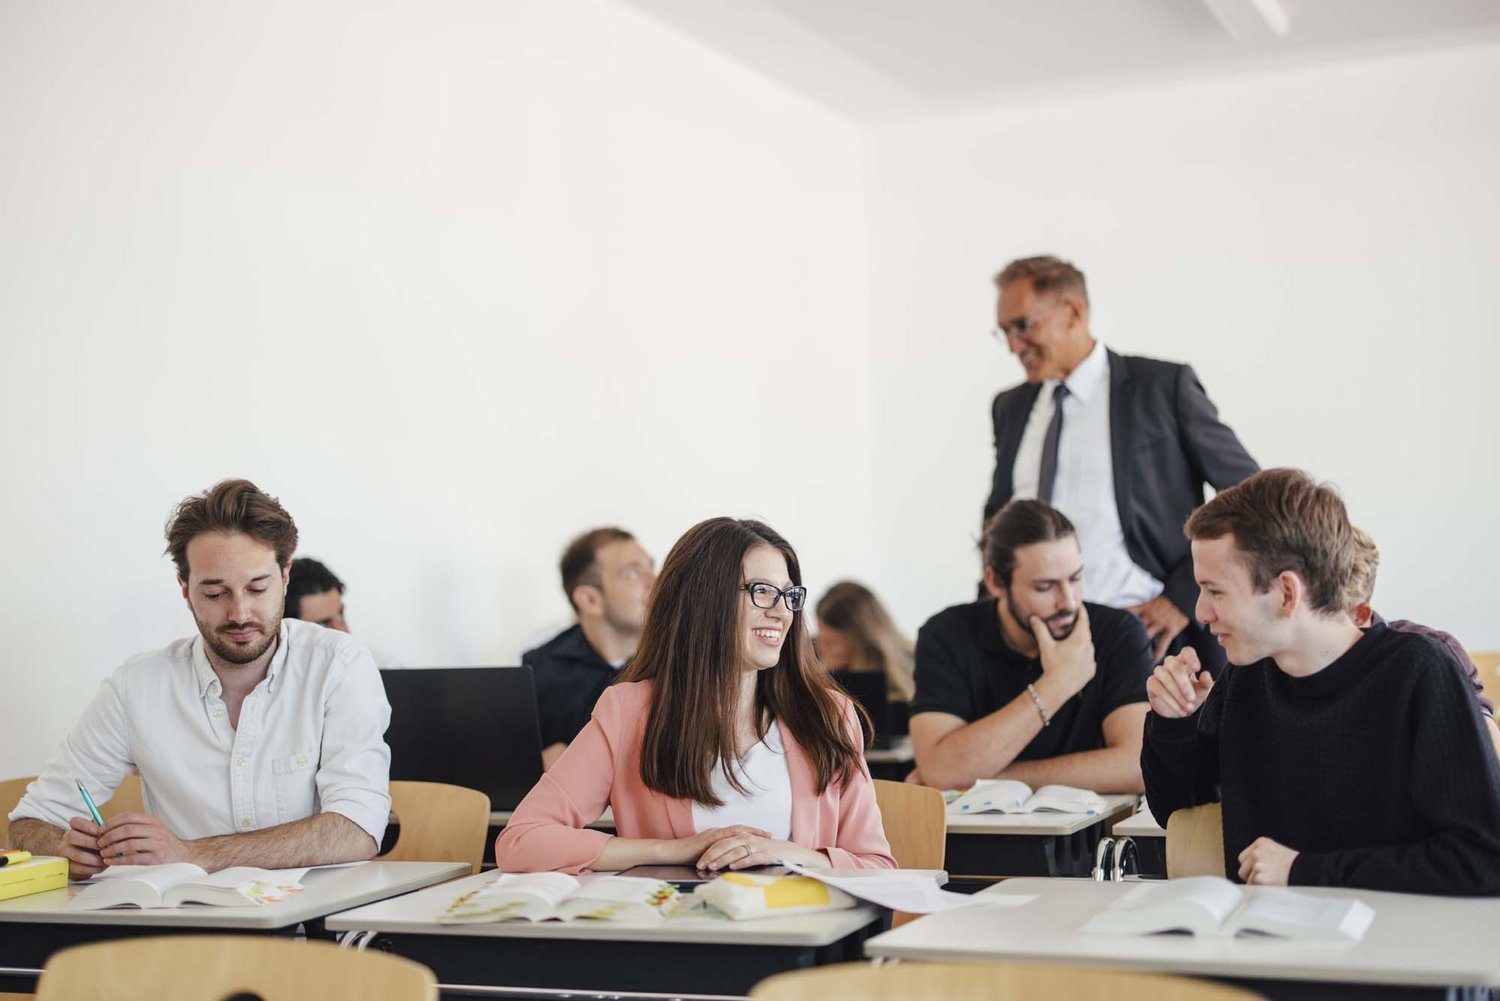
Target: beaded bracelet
{"x":1041,"y":709}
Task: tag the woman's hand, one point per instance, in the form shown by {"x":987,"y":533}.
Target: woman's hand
{"x":744,"y":851}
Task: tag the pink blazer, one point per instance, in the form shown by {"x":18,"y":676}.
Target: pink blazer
{"x":602,"y":767}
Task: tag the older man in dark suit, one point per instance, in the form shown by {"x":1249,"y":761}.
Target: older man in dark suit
{"x":1120,"y":444}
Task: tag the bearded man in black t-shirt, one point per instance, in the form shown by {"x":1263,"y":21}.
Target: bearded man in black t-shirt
{"x":1031,"y":683}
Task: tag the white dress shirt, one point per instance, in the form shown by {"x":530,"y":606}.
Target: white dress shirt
{"x":309,"y":741}
{"x":767,"y":800}
{"x":1084,"y":489}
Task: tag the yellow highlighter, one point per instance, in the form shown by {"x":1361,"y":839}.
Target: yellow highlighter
{"x":12,"y":856}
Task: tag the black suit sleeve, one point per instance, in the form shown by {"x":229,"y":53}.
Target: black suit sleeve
{"x":1217,"y":458}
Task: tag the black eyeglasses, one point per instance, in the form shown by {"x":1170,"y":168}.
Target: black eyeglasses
{"x":765,"y":596}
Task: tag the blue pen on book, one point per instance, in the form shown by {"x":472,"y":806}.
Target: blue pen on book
{"x":88,"y":801}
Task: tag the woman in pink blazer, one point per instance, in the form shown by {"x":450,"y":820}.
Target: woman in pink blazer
{"x":722,"y":746}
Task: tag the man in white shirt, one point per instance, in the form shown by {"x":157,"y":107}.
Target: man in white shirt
{"x":258,"y":741}
{"x":1122,"y":445}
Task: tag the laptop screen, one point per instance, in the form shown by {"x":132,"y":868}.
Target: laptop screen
{"x":467,"y":726}
{"x":868,"y":689}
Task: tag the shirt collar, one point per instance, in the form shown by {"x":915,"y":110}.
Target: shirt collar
{"x":1091,"y":373}
{"x":208,"y":681}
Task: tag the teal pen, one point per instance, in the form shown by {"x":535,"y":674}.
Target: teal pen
{"x":88,"y":801}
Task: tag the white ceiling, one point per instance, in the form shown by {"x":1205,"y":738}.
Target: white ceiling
{"x":876,"y":59}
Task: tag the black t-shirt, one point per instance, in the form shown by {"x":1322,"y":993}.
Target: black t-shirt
{"x":570,"y":676}
{"x":965,"y":668}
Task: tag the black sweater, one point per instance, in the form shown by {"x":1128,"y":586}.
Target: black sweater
{"x":1377,"y":769}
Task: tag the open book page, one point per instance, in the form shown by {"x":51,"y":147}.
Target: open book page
{"x":529,"y":895}
{"x":989,"y":796}
{"x":178,"y":883}
{"x":914,"y":893}
{"x":621,"y":898}
{"x":1274,"y":910}
{"x":237,"y":886}
{"x":1065,"y":799}
{"x":1199,"y":904}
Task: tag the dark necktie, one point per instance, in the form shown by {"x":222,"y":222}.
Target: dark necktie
{"x":1049,"y":446}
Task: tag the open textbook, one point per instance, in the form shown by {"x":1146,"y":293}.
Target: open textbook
{"x":904,"y":890}
{"x":180,"y":883}
{"x":1010,"y":796}
{"x":539,"y":896}
{"x":1212,"y":905}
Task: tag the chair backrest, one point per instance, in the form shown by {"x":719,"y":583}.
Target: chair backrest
{"x":11,"y":791}
{"x":205,"y":967}
{"x":1488,"y":664}
{"x":915,"y":823}
{"x":127,"y":798}
{"x":439,"y":823}
{"x":1195,"y":842}
{"x":985,"y":982}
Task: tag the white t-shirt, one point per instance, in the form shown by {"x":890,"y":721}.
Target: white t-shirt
{"x":767,"y":802}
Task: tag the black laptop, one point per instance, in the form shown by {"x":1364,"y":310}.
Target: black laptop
{"x":467,"y":726}
{"x":868,"y":689}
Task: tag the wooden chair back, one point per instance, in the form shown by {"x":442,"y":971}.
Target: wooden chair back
{"x":216,"y":967}
{"x":915,"y":822}
{"x":11,"y":791}
{"x":1488,"y":664}
{"x":1195,"y":842}
{"x":127,"y":798}
{"x":985,"y":982}
{"x":439,"y":823}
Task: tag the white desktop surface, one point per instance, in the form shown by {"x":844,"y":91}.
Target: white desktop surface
{"x":418,"y":913}
{"x":1138,"y":825}
{"x":325,"y":891}
{"x":1414,"y":940}
{"x":1039,"y":824}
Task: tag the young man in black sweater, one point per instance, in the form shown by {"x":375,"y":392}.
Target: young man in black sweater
{"x":1341,"y":757}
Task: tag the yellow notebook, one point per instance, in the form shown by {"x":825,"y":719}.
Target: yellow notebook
{"x":36,"y":874}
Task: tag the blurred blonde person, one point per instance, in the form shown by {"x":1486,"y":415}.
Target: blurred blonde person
{"x":855,"y":633}
{"x":1357,"y":595}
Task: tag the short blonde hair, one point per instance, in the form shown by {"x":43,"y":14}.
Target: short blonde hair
{"x":1361,"y":586}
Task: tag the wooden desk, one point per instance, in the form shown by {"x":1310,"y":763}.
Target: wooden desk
{"x":693,"y":954}
{"x":1417,"y":946}
{"x":35,"y":926}
{"x":988,"y":846}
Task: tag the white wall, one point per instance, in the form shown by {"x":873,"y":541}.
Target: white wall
{"x":1319,"y":243}
{"x":454,"y":279}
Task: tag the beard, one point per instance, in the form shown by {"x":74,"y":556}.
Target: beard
{"x":1061,"y":625}
{"x":231,"y":652}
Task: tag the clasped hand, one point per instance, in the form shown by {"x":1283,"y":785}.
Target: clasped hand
{"x":1267,"y":863}
{"x":126,"y":839}
{"x":1179,"y":685}
{"x":739,"y":847}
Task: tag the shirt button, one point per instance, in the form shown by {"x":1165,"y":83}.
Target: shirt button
{"x":218,"y":713}
{"x":244,"y":823}
{"x":301,"y":762}
{"x":240,"y":763}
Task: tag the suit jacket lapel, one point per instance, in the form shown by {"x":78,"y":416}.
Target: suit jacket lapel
{"x":1121,"y":432}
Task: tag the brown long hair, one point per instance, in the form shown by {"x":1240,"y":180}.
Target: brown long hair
{"x":690,"y":651}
